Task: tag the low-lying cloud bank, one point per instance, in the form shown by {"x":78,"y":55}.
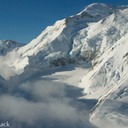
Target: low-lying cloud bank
{"x":42,"y":104}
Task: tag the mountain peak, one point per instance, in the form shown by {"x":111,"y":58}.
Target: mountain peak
{"x":8,"y":45}
{"x":99,"y":9}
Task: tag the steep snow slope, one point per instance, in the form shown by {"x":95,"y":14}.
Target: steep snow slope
{"x":112,"y":111}
{"x":107,"y":80}
{"x":109,"y":65}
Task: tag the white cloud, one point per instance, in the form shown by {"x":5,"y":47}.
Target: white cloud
{"x":41,"y":103}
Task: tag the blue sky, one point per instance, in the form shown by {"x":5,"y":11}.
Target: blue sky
{"x":23,"y":20}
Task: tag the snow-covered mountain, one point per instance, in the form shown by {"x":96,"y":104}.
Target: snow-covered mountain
{"x":7,"y":46}
{"x":79,"y":37}
{"x":96,"y":38}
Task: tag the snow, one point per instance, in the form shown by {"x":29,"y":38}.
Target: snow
{"x":83,"y":57}
{"x":95,"y":9}
{"x":8,"y":45}
{"x":43,"y":40}
{"x":70,"y":75}
{"x":113,"y":109}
